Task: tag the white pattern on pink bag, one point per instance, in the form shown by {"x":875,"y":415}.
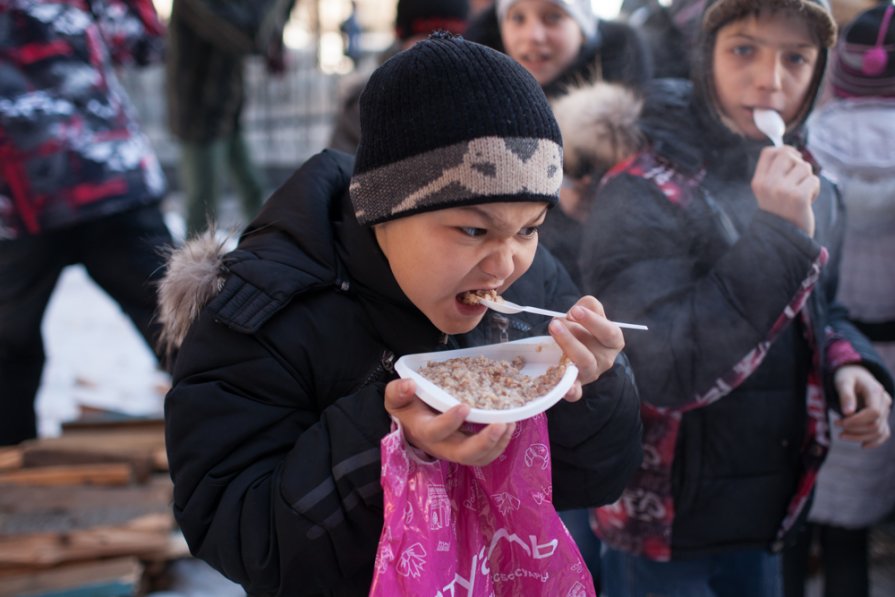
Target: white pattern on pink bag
{"x":475,"y":531}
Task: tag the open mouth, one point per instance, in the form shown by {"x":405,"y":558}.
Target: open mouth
{"x":535,"y":59}
{"x":471,"y":297}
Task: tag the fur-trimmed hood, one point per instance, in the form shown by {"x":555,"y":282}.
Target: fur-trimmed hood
{"x":195,"y":274}
{"x":599,"y":126}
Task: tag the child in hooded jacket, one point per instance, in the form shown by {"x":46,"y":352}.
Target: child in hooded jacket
{"x":729,"y":249}
{"x":284,"y":382}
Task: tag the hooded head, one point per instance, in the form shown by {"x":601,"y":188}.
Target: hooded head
{"x":547,"y":37}
{"x":450,"y":123}
{"x":581,"y":11}
{"x":810,"y":18}
{"x":863,"y":64}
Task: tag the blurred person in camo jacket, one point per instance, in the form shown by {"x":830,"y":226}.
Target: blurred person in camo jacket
{"x":79,"y":182}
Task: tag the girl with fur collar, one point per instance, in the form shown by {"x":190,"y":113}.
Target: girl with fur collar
{"x":730,"y":249}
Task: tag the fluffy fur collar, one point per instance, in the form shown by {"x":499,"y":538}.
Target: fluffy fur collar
{"x":195,"y":274}
{"x":599,"y":126}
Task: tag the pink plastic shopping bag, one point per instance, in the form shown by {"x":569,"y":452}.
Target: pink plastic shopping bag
{"x":452,"y":530}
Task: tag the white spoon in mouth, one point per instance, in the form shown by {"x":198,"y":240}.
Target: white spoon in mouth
{"x":771,"y":124}
{"x":509,"y":308}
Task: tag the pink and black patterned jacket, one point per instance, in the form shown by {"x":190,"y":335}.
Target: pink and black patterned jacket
{"x":735,"y":372}
{"x":70,"y":148}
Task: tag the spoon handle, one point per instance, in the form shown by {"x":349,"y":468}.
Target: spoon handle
{"x":547,"y":312}
{"x":630,"y":326}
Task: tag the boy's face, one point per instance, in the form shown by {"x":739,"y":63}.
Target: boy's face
{"x":542,"y":37}
{"x":764,"y":61}
{"x":439,"y":255}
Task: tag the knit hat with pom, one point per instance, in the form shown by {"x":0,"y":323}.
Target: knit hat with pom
{"x":863,"y":63}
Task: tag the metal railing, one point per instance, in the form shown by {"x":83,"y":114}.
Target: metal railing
{"x":287,"y":118}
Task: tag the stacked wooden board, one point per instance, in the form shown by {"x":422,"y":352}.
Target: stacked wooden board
{"x":87,"y":512}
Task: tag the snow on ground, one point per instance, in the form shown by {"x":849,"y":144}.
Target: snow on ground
{"x":95,"y":357}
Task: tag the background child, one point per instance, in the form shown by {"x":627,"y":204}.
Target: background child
{"x":729,"y":249}
{"x":563,"y":43}
{"x":79,"y":180}
{"x":853,"y":138}
{"x":283,"y":385}
{"x":414,"y":21}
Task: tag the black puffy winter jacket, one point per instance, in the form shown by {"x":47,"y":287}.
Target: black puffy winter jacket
{"x":276,"y":413}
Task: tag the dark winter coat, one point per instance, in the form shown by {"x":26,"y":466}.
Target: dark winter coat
{"x":208,"y":44}
{"x":618,"y":54}
{"x":70,"y":148}
{"x":744,"y":335}
{"x":276,"y":413}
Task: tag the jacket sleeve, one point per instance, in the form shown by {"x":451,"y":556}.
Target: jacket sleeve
{"x":132,"y":31}
{"x":267,"y":489}
{"x":595,"y":442}
{"x":710,"y":319}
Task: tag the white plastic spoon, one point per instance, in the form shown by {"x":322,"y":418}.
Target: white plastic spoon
{"x":509,"y":308}
{"x":771,"y":124}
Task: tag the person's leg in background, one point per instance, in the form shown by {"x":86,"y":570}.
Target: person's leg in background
{"x":747,"y":573}
{"x":796,"y":561}
{"x":201,"y":170}
{"x":846,"y":561}
{"x":578,"y":523}
{"x":29,"y":270}
{"x":246,"y":176}
{"x":627,"y":575}
{"x":125,"y":255}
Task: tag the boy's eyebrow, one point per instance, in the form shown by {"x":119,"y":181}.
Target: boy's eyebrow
{"x":765,"y":41}
{"x":497,"y":221}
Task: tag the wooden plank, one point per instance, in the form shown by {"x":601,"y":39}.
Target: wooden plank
{"x":118,"y":576}
{"x":160,"y":460}
{"x":146,"y":535}
{"x":137,"y":447}
{"x":10,"y":458}
{"x":26,"y":510}
{"x":111,"y":421}
{"x":78,"y":474}
{"x":176,"y":549}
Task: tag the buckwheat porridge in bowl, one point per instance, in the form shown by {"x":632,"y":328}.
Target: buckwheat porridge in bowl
{"x":503,"y":382}
{"x":491,"y":384}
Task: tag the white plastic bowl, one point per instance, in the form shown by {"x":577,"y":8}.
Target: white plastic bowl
{"x":540,"y":353}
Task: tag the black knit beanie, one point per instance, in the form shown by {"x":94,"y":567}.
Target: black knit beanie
{"x":448,"y":123}
{"x":422,"y":17}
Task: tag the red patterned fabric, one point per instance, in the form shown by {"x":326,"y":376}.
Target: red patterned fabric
{"x":70,"y":148}
{"x":640,"y":522}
